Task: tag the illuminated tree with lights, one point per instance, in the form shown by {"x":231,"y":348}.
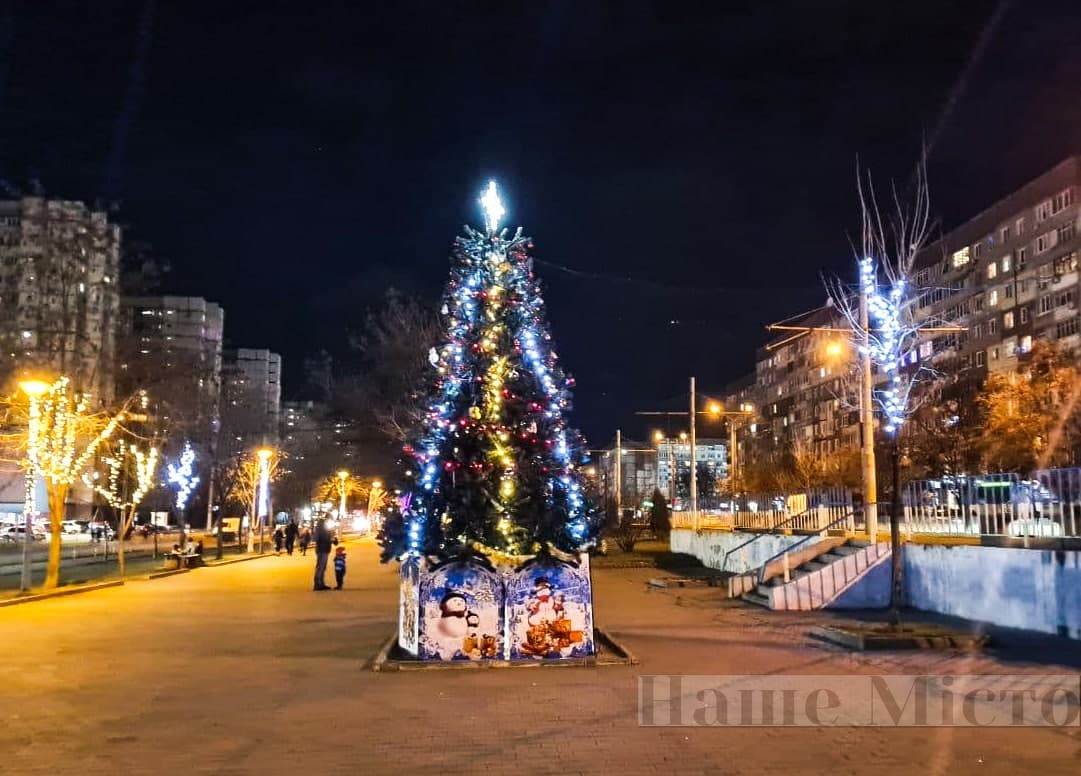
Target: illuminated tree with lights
{"x":493,"y":468}
{"x":246,"y":480}
{"x":889,"y":330}
{"x":129,"y":473}
{"x":181,"y":475}
{"x":66,"y":437}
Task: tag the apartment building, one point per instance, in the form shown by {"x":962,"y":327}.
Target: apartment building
{"x":674,"y":462}
{"x":59,"y":301}
{"x":251,"y":398}
{"x":172,"y":347}
{"x":1006,"y":278}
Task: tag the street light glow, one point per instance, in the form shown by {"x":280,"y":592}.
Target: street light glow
{"x":34,"y":387}
{"x":714,"y":408}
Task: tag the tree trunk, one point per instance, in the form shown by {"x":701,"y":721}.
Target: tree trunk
{"x":58,"y":494}
{"x":895,"y":539}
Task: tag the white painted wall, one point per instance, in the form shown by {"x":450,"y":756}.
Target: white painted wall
{"x":1037,"y":590}
{"x":710,"y":547}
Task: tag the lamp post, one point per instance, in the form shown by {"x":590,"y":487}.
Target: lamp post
{"x":376,"y":486}
{"x":33,"y":390}
{"x":261,"y":501}
{"x":714,"y":410}
{"x":343,"y":477}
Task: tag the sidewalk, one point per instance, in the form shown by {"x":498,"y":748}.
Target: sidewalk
{"x":278,"y":667}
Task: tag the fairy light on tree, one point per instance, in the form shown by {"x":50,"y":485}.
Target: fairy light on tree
{"x":67,"y":439}
{"x":129,"y":475}
{"x":890,"y":332}
{"x":493,"y":468}
{"x":182,"y":476}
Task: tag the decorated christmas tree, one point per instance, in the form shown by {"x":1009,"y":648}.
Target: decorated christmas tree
{"x":494,"y":469}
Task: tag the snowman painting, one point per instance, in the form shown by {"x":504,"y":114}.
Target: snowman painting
{"x":549,"y":612}
{"x":542,"y":607}
{"x":462,"y":608}
{"x":455,"y":619}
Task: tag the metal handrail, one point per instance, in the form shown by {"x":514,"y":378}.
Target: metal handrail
{"x":773,"y":529}
{"x":762,"y":569}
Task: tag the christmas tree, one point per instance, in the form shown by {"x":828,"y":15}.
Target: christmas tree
{"x":494,"y":468}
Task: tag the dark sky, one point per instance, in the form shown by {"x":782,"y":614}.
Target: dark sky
{"x":695,"y":160}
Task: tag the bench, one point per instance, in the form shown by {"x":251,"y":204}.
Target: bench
{"x":184,"y":559}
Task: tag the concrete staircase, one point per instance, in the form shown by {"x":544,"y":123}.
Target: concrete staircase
{"x":819,"y":579}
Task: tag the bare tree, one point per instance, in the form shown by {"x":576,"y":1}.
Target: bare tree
{"x":886,"y":260}
{"x":395,"y":344}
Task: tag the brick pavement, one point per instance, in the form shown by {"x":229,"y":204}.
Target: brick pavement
{"x":242,"y":669}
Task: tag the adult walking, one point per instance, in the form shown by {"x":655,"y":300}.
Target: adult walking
{"x":322,"y":553}
{"x":290,"y":536}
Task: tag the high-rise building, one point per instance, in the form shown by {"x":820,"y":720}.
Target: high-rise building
{"x":251,"y":398}
{"x":318,"y":376}
{"x":59,"y":301}
{"x":673,"y":462}
{"x":172,"y":347}
{"x":1005,"y":279}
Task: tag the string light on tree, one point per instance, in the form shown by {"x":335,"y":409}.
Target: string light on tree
{"x":182,"y":475}
{"x":494,"y":466}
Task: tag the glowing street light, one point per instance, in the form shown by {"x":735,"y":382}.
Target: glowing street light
{"x":261,"y":505}
{"x":343,"y":477}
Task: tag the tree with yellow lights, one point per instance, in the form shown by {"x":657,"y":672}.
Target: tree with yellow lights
{"x":246,"y":481}
{"x":128,"y":476}
{"x":494,"y":467}
{"x":63,"y":436}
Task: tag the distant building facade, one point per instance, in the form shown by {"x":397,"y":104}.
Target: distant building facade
{"x":251,"y":398}
{"x":673,"y":461}
{"x":59,"y":297}
{"x":172,"y":347}
{"x":1006,"y":278}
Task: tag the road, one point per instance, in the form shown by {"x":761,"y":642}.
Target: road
{"x":243,"y":669}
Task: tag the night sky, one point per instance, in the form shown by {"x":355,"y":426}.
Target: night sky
{"x":686,"y":169}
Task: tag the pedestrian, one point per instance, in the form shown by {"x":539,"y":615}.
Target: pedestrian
{"x":322,"y":554}
{"x":339,"y":567}
{"x":290,"y":536}
{"x":305,"y":540}
{"x":279,"y":539}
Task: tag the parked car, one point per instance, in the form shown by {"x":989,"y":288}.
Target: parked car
{"x":16,"y":533}
{"x":71,"y":527}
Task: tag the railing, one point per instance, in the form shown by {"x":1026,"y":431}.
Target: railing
{"x":788,"y":550}
{"x":1045,"y":505}
{"x":795,"y":522}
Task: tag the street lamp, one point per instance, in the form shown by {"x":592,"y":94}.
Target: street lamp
{"x":261,"y":507}
{"x":33,"y":389}
{"x":376,"y":486}
{"x":343,"y":475}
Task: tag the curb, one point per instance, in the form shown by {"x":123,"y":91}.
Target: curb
{"x":168,"y":573}
{"x":60,"y":593}
{"x":867,"y":638}
{"x":209,"y":564}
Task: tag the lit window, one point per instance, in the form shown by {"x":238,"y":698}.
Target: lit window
{"x":992,"y":271}
{"x":992,"y":297}
{"x":1007,"y":320}
{"x":1006,"y":263}
{"x":926,"y":349}
{"x":960,"y":258}
{"x":980,"y":356}
{"x":1026,"y":343}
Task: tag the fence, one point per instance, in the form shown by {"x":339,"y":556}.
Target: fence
{"x":1045,"y":505}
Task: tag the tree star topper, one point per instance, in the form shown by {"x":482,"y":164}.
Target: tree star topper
{"x":493,"y":208}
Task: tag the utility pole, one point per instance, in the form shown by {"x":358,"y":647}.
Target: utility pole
{"x":694,"y":461}
{"x":619,"y":476}
{"x":867,"y":432}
